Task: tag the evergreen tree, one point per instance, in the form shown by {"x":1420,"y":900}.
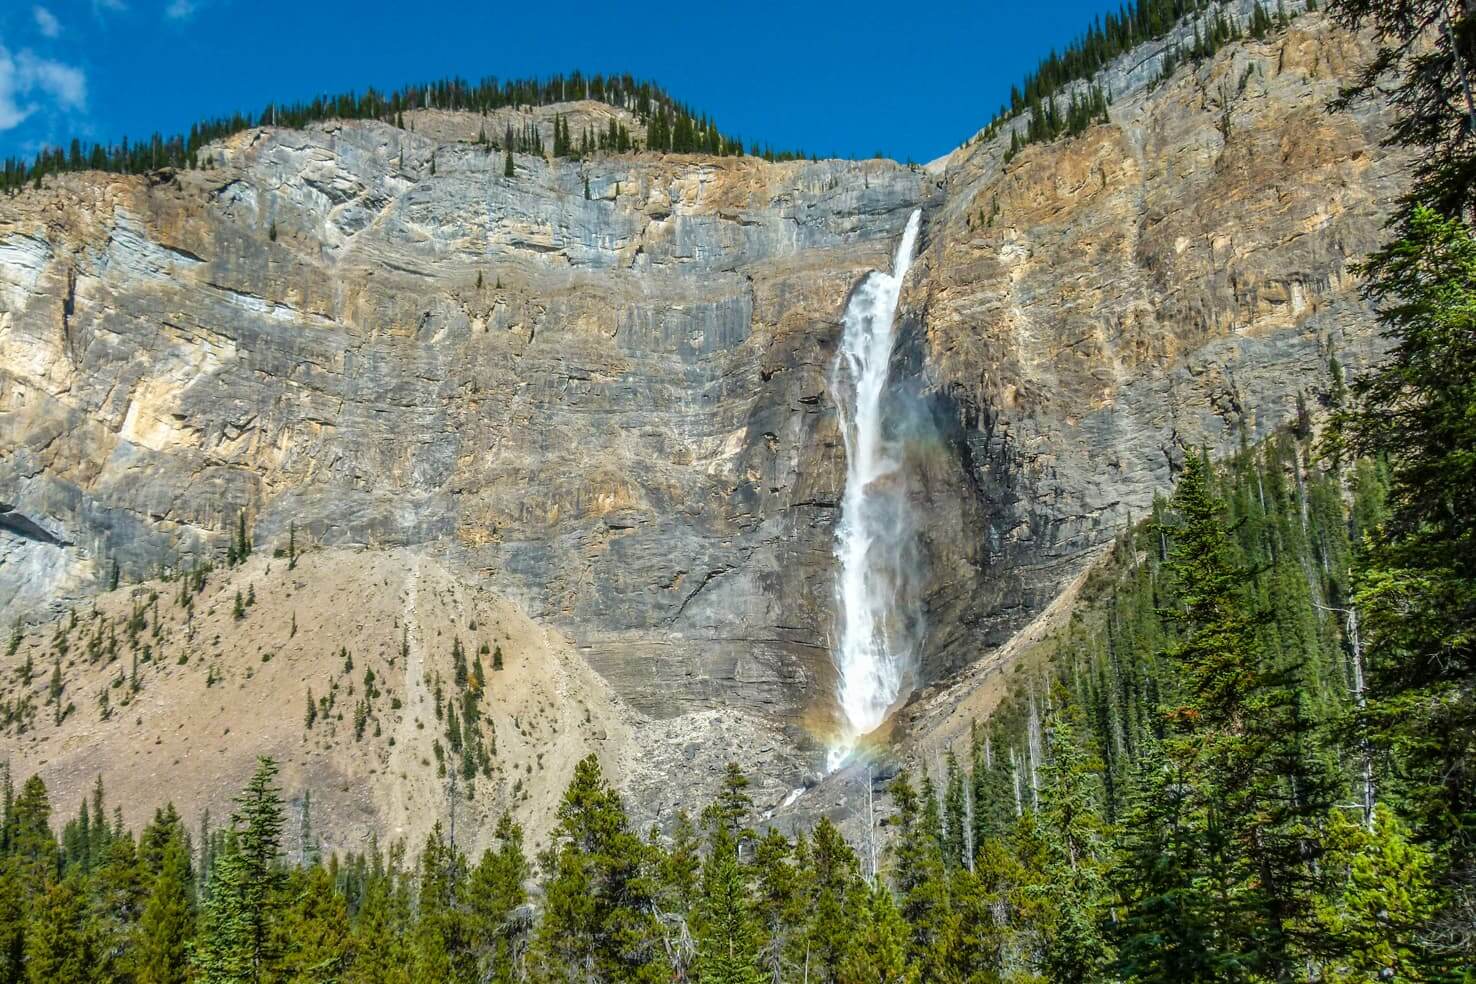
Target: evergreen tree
{"x":440,"y":948}
{"x":238,"y":940}
{"x":168,"y":920}
{"x":727,"y":936}
{"x":1416,"y":583}
{"x":1238,"y":739}
{"x":598,"y":917}
{"x":878,"y":952}
{"x":56,"y":950}
{"x":956,"y":824}
{"x":836,"y":894}
{"x":1429,"y":48}
{"x":1075,"y":872}
{"x":778,"y":907}
{"x":494,"y":897}
{"x":1383,"y":896}
{"x":313,"y":929}
{"x":919,"y":878}
{"x":681,"y":865}
{"x":118,"y":894}
{"x":380,"y":930}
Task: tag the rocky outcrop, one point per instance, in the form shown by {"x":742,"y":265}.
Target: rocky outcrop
{"x":1094,"y":308}
{"x":599,"y":388}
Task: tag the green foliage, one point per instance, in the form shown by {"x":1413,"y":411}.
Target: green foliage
{"x":671,"y":125}
{"x":168,"y":920}
{"x":598,"y":898}
{"x":239,"y":934}
{"x":1414,"y":589}
{"x":1424,"y":65}
{"x":1060,"y":97}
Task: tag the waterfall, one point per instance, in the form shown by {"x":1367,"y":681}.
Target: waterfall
{"x":874,"y":539}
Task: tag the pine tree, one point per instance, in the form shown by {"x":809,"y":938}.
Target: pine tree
{"x":168,"y":920}
{"x":118,"y":892}
{"x":1415,"y":589}
{"x":507,"y":162}
{"x":1241,"y":865}
{"x":681,"y":865}
{"x":779,"y":901}
{"x":727,"y":936}
{"x":380,"y":930}
{"x":878,"y":953}
{"x":494,"y":897}
{"x":1165,"y":932}
{"x":1383,"y":896}
{"x":956,"y":824}
{"x":597,"y":893}
{"x":730,"y":810}
{"x":56,"y":950}
{"x":1075,"y":872}
{"x":836,"y":897}
{"x":238,"y":939}
{"x":440,"y":946}
{"x":1425,"y":46}
{"x":918,"y":875}
{"x":313,"y":929}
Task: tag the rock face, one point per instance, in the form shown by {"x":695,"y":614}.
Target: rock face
{"x":1097,"y":307}
{"x":600,"y":388}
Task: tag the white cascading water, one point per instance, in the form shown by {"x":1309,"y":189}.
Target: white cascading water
{"x":874,"y":539}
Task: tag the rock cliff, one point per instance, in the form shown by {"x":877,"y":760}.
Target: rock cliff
{"x":598,"y":389}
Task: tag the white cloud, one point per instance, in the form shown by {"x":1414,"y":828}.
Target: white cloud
{"x":30,"y":83}
{"x":98,"y":6}
{"x":46,"y":22}
{"x":12,"y":113}
{"x":181,"y":9}
{"x":63,"y":83}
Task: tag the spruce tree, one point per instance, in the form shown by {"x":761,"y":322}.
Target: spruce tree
{"x":878,"y":952}
{"x":1426,"y":48}
{"x":919,"y":878}
{"x":238,"y":938}
{"x":313,"y":928}
{"x":1076,"y":870}
{"x":727,"y":935}
{"x":836,"y":896}
{"x":56,"y":950}
{"x":380,"y":930}
{"x":598,"y":892}
{"x":168,"y":921}
{"x":495,"y":895}
{"x":779,"y":904}
{"x":440,"y":946}
{"x":1415,"y":588}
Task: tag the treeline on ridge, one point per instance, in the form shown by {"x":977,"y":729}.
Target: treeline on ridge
{"x":1050,"y":115}
{"x":671,"y":125}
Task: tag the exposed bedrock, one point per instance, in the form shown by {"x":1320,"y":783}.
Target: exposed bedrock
{"x":600,"y":387}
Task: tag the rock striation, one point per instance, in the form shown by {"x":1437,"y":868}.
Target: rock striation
{"x":598,"y":389}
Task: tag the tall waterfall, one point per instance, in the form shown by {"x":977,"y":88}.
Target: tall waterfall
{"x":875,"y":538}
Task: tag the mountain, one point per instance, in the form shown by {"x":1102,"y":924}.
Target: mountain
{"x":587,"y":408}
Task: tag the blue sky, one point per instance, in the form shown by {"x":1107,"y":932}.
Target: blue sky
{"x":910,"y":80}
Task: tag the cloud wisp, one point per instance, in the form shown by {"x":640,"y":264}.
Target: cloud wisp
{"x":30,"y":84}
{"x":46,"y":22}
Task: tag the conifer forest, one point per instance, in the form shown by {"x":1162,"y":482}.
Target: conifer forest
{"x":1245,"y":754}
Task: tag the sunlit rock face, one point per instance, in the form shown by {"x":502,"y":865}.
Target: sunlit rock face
{"x":1097,"y":307}
{"x":600,"y":387}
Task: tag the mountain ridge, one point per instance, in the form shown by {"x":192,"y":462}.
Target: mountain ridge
{"x":611,"y":412}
